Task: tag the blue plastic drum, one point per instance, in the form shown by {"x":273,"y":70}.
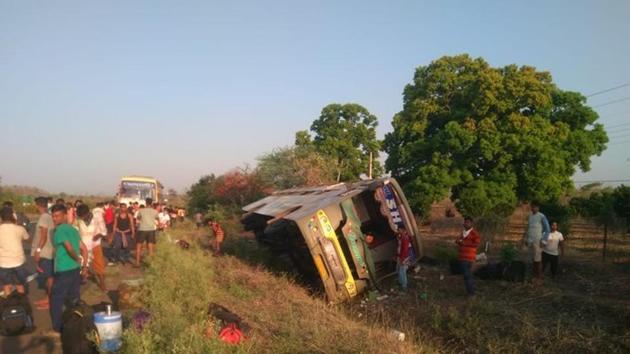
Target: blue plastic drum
{"x":109,"y":328}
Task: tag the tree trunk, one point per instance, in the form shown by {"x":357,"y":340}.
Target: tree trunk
{"x":605,"y":241}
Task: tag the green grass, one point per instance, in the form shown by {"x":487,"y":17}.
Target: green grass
{"x":285,"y":318}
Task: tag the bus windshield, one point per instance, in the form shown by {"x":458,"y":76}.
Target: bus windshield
{"x":139,"y":190}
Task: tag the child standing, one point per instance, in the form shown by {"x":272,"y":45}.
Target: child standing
{"x":552,"y":250}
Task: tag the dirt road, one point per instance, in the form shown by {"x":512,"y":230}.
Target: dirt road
{"x":35,"y":342}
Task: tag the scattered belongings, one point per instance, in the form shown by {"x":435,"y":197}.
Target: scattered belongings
{"x":382,"y":297}
{"x":140,"y":320}
{"x":397,"y":335}
{"x":110,"y":327}
{"x":226,"y":325}
{"x":16,"y":315}
{"x":231,"y":334}
{"x":128,"y":296}
{"x":512,"y":271}
{"x":182,"y":244}
{"x":78,"y":328}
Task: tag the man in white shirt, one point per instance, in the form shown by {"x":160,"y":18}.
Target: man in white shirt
{"x":164,"y":219}
{"x":42,"y":249}
{"x":553,"y":249}
{"x":13,"y":271}
{"x":92,"y":229}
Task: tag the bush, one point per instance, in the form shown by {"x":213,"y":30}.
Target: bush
{"x":509,"y":253}
{"x":445,"y":254}
{"x":559,"y":213}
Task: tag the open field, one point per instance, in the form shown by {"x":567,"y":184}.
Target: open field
{"x":586,"y":310}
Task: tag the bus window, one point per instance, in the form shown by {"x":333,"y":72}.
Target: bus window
{"x":137,"y":190}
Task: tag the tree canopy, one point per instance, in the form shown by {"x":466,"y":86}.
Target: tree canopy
{"x":347,"y":134}
{"x":295,"y":167}
{"x":233,"y":189}
{"x":489,"y":137}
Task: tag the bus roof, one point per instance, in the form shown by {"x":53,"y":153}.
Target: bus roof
{"x":139,"y":179}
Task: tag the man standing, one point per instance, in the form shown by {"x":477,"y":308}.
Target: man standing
{"x":68,"y":265}
{"x":92,"y":229}
{"x":109,"y":218}
{"x":146,"y":230}
{"x":12,"y":268}
{"x":219,"y":235}
{"x":468,"y":243}
{"x":198,"y":219}
{"x":535,"y":237}
{"x":42,"y":250}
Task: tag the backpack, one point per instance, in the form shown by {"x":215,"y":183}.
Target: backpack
{"x":16,"y":315}
{"x":78,"y":324}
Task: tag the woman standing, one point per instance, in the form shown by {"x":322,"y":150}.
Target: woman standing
{"x":124,"y":229}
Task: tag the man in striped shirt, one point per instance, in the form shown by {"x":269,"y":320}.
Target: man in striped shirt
{"x":219,"y":235}
{"x":468,"y":243}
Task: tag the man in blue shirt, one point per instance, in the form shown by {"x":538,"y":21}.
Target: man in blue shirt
{"x":536,"y":237}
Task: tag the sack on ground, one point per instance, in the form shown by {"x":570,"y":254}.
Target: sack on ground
{"x":77,"y":329}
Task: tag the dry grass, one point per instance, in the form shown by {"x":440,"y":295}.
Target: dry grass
{"x":284,"y":317}
{"x":586,"y":310}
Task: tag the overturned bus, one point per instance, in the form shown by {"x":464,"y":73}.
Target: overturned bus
{"x":322,"y":232}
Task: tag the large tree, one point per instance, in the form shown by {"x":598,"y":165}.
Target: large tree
{"x":347,"y":134}
{"x":295,"y":167}
{"x":489,"y":137}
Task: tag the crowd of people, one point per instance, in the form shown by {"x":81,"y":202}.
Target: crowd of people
{"x":72,"y":242}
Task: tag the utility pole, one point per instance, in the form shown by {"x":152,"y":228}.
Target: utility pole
{"x":370,"y":167}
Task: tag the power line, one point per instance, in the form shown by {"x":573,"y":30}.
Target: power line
{"x":611,"y":102}
{"x":608,"y":89}
{"x":616,"y":125}
{"x":614,"y":131}
{"x":620,"y":142}
{"x":615,"y":139}
{"x":603,"y":181}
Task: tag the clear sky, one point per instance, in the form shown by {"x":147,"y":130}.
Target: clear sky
{"x":93,"y":90}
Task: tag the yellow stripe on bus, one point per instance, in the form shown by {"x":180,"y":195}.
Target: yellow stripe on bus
{"x":329,"y":233}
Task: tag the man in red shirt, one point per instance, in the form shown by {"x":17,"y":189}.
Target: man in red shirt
{"x":468,"y":243}
{"x":403,"y":256}
{"x":109,"y":217}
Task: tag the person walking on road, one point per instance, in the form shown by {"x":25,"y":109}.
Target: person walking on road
{"x":42,"y":250}
{"x":148,"y":219}
{"x":124,"y":230}
{"x":535,"y":237}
